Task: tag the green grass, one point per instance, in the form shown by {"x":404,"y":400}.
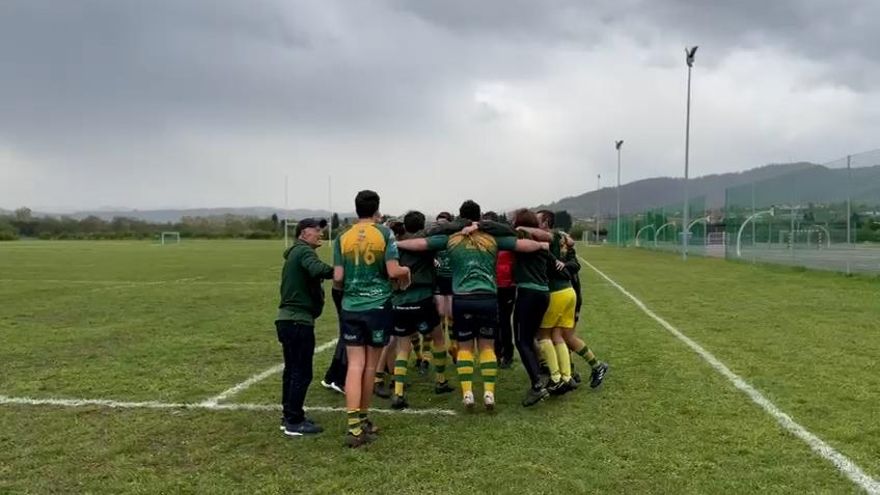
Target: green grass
{"x":133,"y":321}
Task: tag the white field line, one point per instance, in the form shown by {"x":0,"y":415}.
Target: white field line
{"x":226,"y":394}
{"x":843,"y":464}
{"x":113,"y":404}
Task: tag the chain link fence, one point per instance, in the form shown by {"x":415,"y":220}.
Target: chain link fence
{"x":817,"y":216}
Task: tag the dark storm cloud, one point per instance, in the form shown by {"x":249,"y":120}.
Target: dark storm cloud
{"x":841,"y":35}
{"x":118,"y":90}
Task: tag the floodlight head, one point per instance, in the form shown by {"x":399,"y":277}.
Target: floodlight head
{"x":689,"y":55}
{"x":618,"y":144}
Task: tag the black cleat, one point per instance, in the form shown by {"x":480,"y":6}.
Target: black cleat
{"x":382,"y":390}
{"x":355,"y":441}
{"x":301,"y":429}
{"x":534,"y":395}
{"x":560,"y":387}
{"x":399,"y":402}
{"x":598,"y":375}
{"x":505,"y":363}
{"x":371,"y":430}
{"x":443,"y":388}
{"x":424,"y":366}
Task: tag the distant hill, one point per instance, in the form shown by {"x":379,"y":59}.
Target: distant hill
{"x":163,"y":216}
{"x":775,"y":184}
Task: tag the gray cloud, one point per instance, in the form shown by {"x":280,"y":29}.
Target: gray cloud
{"x":210,"y":102}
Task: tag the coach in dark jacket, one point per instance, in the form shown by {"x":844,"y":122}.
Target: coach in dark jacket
{"x":302,"y":300}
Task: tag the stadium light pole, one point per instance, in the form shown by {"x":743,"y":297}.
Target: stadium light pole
{"x":689,"y":58}
{"x":330,"y":206}
{"x":618,"y":145}
{"x":598,"y":203}
{"x":285,"y":211}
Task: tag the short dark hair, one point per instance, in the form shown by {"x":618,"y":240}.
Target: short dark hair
{"x":414,"y":221}
{"x":470,"y":210}
{"x":549,"y":217}
{"x":397,"y":227}
{"x":366,"y":203}
{"x":525,"y":218}
{"x":444,"y":215}
{"x":490,"y":215}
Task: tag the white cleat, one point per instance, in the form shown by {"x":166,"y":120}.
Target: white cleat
{"x":489,"y":401}
{"x":468,"y":400}
{"x":332,"y":386}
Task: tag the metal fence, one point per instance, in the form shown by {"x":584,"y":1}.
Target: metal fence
{"x":817,"y":216}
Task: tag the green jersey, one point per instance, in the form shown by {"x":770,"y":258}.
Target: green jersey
{"x":362,"y":252}
{"x":531,"y":270}
{"x":559,"y":280}
{"x":472,"y":258}
{"x":444,"y":269}
{"x":421,"y":267}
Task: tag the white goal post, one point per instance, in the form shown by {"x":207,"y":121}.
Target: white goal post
{"x":175,"y":235}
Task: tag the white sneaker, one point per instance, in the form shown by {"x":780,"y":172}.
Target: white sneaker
{"x":332,"y":386}
{"x":468,"y":400}
{"x":489,"y":400}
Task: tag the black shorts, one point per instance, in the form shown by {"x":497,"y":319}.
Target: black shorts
{"x":371,"y":327}
{"x":443,"y":286}
{"x":474,"y":316}
{"x":419,"y":317}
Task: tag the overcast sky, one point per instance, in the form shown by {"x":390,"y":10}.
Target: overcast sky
{"x":173,"y":103}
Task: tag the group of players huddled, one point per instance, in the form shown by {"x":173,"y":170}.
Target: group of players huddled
{"x":405,"y":284}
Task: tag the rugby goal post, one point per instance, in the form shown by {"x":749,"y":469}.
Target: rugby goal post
{"x":170,"y":235}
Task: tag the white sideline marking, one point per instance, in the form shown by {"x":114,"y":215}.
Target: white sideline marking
{"x":840,"y":461}
{"x":226,"y":394}
{"x":113,"y":404}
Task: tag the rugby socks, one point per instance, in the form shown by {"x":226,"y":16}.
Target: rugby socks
{"x":488,"y":369}
{"x":427,"y":345}
{"x":549,"y":354}
{"x":400,"y":366}
{"x":354,"y":422}
{"x":439,"y":364}
{"x":466,"y":370}
{"x":564,"y":358}
{"x":588,"y":356}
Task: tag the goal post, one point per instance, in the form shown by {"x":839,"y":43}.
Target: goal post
{"x":170,"y":235}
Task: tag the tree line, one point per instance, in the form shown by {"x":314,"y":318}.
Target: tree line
{"x":23,"y":224}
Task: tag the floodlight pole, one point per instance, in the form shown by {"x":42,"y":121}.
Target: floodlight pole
{"x":848,"y":199}
{"x":598,"y":203}
{"x":285,"y":211}
{"x":689,"y":58}
{"x":330,"y":206}
{"x":618,"y":145}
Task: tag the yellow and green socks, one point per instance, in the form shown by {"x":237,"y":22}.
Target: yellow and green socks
{"x":564,"y":358}
{"x":354,"y":422}
{"x":466,"y":370}
{"x":549,"y":353}
{"x":426,"y":352}
{"x":488,"y":369}
{"x":400,"y":366}
{"x":439,"y":355}
{"x":588,"y":356}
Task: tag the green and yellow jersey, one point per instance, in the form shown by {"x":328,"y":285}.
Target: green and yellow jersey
{"x":362,"y":252}
{"x":472,"y":258}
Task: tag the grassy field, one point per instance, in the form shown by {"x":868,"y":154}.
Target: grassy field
{"x":136,"y":322}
